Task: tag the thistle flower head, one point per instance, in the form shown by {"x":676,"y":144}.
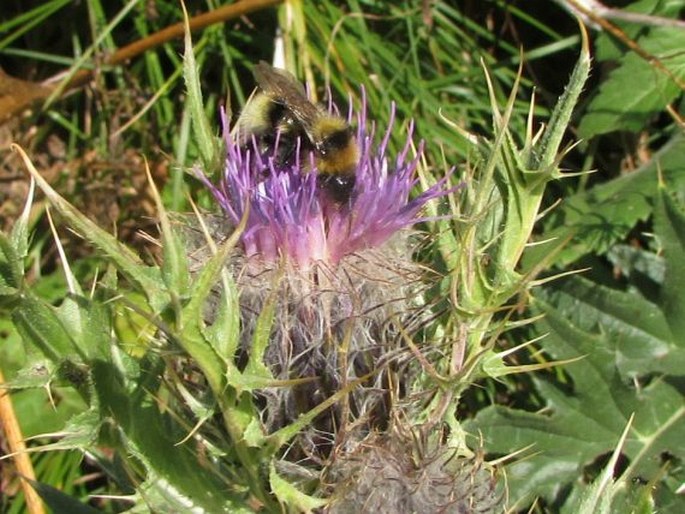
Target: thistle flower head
{"x":290,"y":215}
{"x":338,"y":274}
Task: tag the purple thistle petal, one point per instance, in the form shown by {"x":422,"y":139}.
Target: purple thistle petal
{"x":292,"y":217}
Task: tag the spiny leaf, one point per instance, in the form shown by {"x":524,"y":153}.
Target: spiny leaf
{"x":579,"y":426}
{"x":203,"y":134}
{"x":127,"y":262}
{"x":634,"y":328}
{"x":11,"y":268}
{"x":600,"y":217}
{"x":289,"y":495}
{"x":598,"y":498}
{"x":558,"y":123}
{"x":151,"y":437}
{"x":175,"y":265}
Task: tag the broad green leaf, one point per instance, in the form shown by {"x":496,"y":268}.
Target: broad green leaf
{"x":670,"y":229}
{"x":599,"y":496}
{"x":637,"y":261}
{"x":32,"y":381}
{"x":38,"y":414}
{"x":36,"y":375}
{"x":161,"y":496}
{"x":13,"y":351}
{"x":79,"y":433}
{"x":89,"y":325}
{"x":583,"y":423}
{"x":609,"y":47}
{"x":78,"y":329}
{"x":637,"y":89}
{"x":635,"y":330}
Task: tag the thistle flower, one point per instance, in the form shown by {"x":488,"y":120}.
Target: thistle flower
{"x":291,"y":218}
{"x":340,"y":276}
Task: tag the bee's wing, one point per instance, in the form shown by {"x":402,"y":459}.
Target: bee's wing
{"x":277,"y":81}
{"x":285,"y":89}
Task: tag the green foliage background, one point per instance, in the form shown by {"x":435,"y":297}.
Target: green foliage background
{"x":623,"y":225}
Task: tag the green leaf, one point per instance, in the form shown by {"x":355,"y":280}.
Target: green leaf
{"x":36,"y":375}
{"x":175,"y":270}
{"x":78,"y":330}
{"x":11,"y":268}
{"x":59,"y":502}
{"x":89,"y":323}
{"x":637,"y":261}
{"x":39,"y":324}
{"x":254,"y":431}
{"x":261,"y":338}
{"x":289,"y":495}
{"x":650,"y":89}
{"x":223,"y":334}
{"x":146,"y":278}
{"x":670,"y":229}
{"x":608,"y":47}
{"x":558,"y":123}
{"x":594,"y":220}
{"x":634,"y":329}
{"x":599,"y":496}
{"x":39,"y":415}
{"x":152,"y":437}
{"x":583,"y":423}
{"x":204,"y":137}
{"x":160,"y":496}
{"x":79,"y":433}
{"x":193,"y":337}
{"x":18,"y":242}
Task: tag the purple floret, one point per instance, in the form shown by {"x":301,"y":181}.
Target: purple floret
{"x":291,"y":217}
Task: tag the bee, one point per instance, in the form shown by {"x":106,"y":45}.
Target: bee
{"x":282,"y":110}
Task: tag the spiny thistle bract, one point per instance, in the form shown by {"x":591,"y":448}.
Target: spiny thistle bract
{"x":339,"y":275}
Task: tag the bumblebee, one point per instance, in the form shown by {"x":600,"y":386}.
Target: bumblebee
{"x":281,"y":111}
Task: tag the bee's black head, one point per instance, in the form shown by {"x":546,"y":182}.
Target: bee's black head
{"x":275,"y":114}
